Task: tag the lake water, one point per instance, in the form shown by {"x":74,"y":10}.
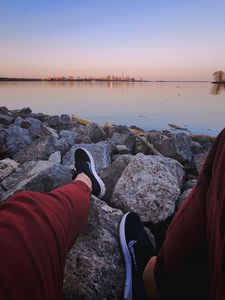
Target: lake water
{"x":198,"y":106}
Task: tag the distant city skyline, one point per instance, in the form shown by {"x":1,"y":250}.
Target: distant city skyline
{"x":153,"y":40}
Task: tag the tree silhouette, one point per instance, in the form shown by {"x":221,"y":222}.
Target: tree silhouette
{"x":218,"y":76}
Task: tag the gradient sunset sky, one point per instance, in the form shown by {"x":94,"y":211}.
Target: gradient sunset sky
{"x":155,"y":40}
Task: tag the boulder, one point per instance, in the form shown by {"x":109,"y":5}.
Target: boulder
{"x":5,"y":119}
{"x":122,"y":149}
{"x":127,"y":139}
{"x":60,"y":123}
{"x":198,"y":161}
{"x":111,"y":129}
{"x":41,"y":149}
{"x":3,"y":144}
{"x":55,"y":157}
{"x":189,"y":184}
{"x":7,"y":167}
{"x":101,"y":153}
{"x":82,"y":139}
{"x":111,"y":175}
{"x":140,"y":147}
{"x":206,"y":141}
{"x":24,"y":112}
{"x":94,"y":267}
{"x":182,"y":197}
{"x":4,"y":110}
{"x":95,"y":133}
{"x":69,"y":136}
{"x":196,"y":148}
{"x":150,"y":186}
{"x":41,"y":176}
{"x":177,"y":147}
{"x":16,"y":139}
{"x":34,"y":126}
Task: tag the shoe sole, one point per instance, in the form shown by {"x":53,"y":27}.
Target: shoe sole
{"x":100,"y":182}
{"x":127,"y":258}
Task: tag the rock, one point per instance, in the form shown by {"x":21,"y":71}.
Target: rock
{"x":122,"y":149}
{"x":4,"y":110}
{"x":111,"y":175}
{"x":34,"y":126}
{"x":78,"y":120}
{"x":24,"y":112}
{"x":177,"y":147}
{"x":189,"y":184}
{"x":51,"y":131}
{"x":155,"y":137}
{"x":196,"y":148}
{"x":95,"y":268}
{"x":7,"y":167}
{"x":101,"y":153}
{"x":41,"y":149}
{"x":65,"y":118}
{"x":55,"y":157}
{"x":140,"y":147}
{"x":69,"y":136}
{"x":205,"y":140}
{"x":95,"y":133}
{"x":3,"y":144}
{"x":16,"y":139}
{"x":198,"y":161}
{"x":82,"y":139}
{"x":182,"y":197}
{"x":41,"y":176}
{"x":6,"y":120}
{"x":60,"y":123}
{"x":174,"y":126}
{"x":149,"y":186}
{"x":127,"y":139}
{"x":111,"y":129}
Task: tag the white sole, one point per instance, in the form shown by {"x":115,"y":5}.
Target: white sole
{"x":101,"y":183}
{"x":127,"y":258}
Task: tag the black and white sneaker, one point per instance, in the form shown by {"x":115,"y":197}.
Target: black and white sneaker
{"x":84,"y":163}
{"x":137,"y":250}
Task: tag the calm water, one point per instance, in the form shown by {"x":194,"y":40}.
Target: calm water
{"x":197,"y":106}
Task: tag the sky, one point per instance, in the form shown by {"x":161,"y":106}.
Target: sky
{"x":153,"y":40}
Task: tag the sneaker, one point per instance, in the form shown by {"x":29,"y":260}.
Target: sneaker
{"x":137,"y":250}
{"x":84,"y":163}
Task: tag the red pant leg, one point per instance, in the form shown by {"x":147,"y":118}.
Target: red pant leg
{"x":37,"y":231}
{"x":197,"y":231}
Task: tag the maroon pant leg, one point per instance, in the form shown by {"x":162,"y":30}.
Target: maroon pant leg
{"x":195,"y":242}
{"x":37,"y":231}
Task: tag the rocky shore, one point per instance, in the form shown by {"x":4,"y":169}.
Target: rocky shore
{"x":150,"y":173}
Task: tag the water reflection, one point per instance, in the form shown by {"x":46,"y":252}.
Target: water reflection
{"x":93,"y":84}
{"x":217,"y":88}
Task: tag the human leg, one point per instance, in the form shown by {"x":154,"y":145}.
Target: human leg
{"x":194,"y":246}
{"x":37,"y":230}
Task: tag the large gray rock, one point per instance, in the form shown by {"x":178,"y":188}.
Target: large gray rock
{"x":127,"y":139}
{"x":5,"y":119}
{"x":16,"y":139}
{"x":55,"y":157}
{"x":177,"y":147}
{"x":7,"y":167}
{"x":206,"y":141}
{"x":150,"y":185}
{"x":110,"y":129}
{"x":35,"y":127}
{"x":198,"y":161}
{"x":41,"y":149}
{"x":41,"y":176}
{"x":69,"y":136}
{"x":100,"y":151}
{"x":111,"y":175}
{"x":95,"y":133}
{"x":94,"y":268}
